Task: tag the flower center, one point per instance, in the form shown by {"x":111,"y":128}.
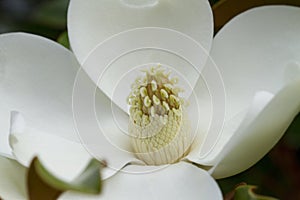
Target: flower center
{"x":158,"y":123}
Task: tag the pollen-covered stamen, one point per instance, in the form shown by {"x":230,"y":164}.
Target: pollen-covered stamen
{"x":158,"y":124}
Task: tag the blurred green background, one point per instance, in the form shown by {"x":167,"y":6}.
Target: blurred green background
{"x":277,"y":174}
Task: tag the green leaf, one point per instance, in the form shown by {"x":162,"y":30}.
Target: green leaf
{"x":41,"y":184}
{"x":246,"y":192}
{"x":63,"y":39}
{"x":225,"y":10}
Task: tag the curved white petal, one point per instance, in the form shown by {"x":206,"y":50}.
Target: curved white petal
{"x":210,"y":98}
{"x":63,"y":157}
{"x":36,"y":78}
{"x":263,"y":126}
{"x":256,"y":51}
{"x":13,"y":180}
{"x":115,"y":64}
{"x":101,"y":125}
{"x":177,"y":181}
{"x":91,"y":23}
{"x":229,"y":129}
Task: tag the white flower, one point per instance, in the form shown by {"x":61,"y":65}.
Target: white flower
{"x":256,"y":53}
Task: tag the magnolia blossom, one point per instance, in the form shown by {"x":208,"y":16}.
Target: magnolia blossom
{"x":59,"y":99}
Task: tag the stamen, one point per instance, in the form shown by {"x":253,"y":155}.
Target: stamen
{"x":143,"y":92}
{"x":156,"y":100}
{"x":153,"y":85}
{"x":166,"y":106}
{"x":147,"y":101}
{"x":164,"y":94}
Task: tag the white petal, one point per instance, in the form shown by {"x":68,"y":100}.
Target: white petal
{"x":13,"y":180}
{"x":177,"y":181}
{"x":92,"y":23}
{"x":263,"y":126}
{"x":256,"y":51}
{"x":115,"y":64}
{"x":63,"y":157}
{"x":36,"y":78}
{"x":111,"y":38}
{"x":230,"y":128}
{"x":101,"y":125}
{"x":210,"y":100}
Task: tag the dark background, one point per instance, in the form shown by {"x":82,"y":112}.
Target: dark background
{"x":277,"y":174}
